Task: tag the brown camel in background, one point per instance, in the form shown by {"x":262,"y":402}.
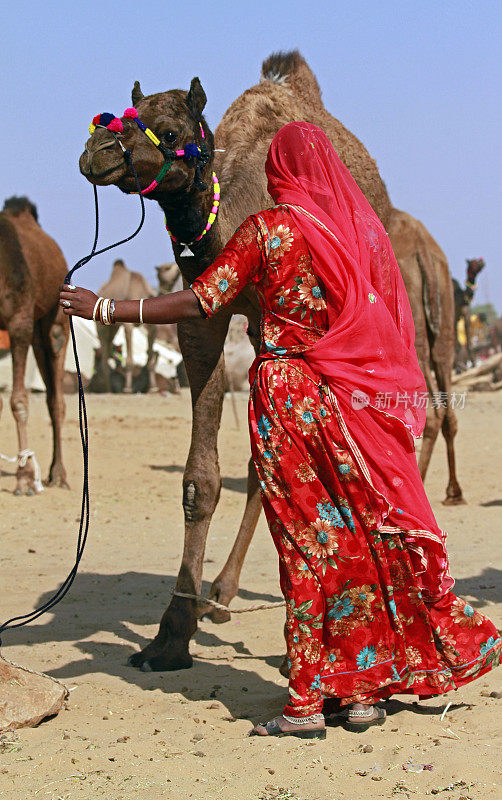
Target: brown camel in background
{"x":32,"y":267}
{"x":428,"y":283}
{"x":170,"y":280}
{"x":124,"y":284}
{"x":288,"y":91}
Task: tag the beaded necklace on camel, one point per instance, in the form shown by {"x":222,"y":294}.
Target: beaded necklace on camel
{"x":190,"y":153}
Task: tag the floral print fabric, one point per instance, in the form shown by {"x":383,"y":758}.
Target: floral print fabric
{"x":357,"y":626}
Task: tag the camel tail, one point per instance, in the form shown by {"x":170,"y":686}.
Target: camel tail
{"x":289,"y":69}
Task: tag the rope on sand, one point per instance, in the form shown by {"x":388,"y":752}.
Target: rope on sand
{"x":22,"y":459}
{"x":221,"y":607}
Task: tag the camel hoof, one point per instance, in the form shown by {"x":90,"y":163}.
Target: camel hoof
{"x":135,"y":660}
{"x":216,"y":615}
{"x":222,"y":591}
{"x":126,"y":390}
{"x":161,"y":663}
{"x":30,"y":491}
{"x":17,"y":492}
{"x":59,"y":483}
{"x":457,"y":500}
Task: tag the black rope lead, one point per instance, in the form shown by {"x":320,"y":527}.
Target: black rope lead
{"x":24,"y":619}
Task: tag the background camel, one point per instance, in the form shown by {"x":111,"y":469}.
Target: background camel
{"x":288,"y":91}
{"x":124,"y":284}
{"x":428,"y":283}
{"x":32,"y":267}
{"x":238,"y":351}
{"x":170,"y":280}
{"x":463,"y":299}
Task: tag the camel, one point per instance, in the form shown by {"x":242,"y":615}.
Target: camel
{"x":32,"y":267}
{"x":238,"y":351}
{"x":287,"y":91}
{"x":463,"y":299}
{"x":170,"y":280}
{"x":426,"y":275}
{"x":124,"y":284}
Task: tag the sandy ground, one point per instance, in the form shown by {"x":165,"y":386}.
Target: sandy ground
{"x":179,"y":735}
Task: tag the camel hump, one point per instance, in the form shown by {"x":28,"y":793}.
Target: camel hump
{"x":16,"y":205}
{"x":15,"y":274}
{"x":140,"y":286}
{"x":289,"y":69}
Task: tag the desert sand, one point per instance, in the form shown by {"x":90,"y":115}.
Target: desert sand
{"x":128,"y":734}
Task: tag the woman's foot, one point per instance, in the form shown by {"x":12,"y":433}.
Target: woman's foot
{"x":279,"y":726}
{"x":361,"y":717}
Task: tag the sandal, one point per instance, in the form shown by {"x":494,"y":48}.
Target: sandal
{"x":359,"y":721}
{"x":273,"y":729}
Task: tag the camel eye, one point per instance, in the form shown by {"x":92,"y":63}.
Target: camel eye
{"x":170,"y":137}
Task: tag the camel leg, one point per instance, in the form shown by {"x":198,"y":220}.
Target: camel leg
{"x":201,"y":344}
{"x":449,"y":428}
{"x":20,"y":338}
{"x":433,"y":420}
{"x":226,"y":585}
{"x":128,"y":328}
{"x":151,"y":358}
{"x":434,"y":415}
{"x":50,"y":338}
{"x":105,"y":336}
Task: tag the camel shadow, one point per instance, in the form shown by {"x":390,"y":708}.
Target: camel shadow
{"x":232,"y":484}
{"x":486,"y":588}
{"x":117,"y":605}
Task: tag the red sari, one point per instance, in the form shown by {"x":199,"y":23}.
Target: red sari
{"x":362,"y":562}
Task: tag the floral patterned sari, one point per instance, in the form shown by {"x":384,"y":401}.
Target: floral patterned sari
{"x":358,"y":626}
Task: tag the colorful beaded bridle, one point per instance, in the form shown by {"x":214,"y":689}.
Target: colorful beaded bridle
{"x":192,"y":154}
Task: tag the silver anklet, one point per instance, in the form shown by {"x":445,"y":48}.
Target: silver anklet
{"x":304,"y":720}
{"x":363,"y":712}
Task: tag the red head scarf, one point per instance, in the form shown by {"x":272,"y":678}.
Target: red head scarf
{"x":367,"y":356}
{"x":369,"y":348}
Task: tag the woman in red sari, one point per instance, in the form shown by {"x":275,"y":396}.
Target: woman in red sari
{"x":336,"y":398}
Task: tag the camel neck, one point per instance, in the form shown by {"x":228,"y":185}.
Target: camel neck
{"x":186,"y":217}
{"x":186,"y":213}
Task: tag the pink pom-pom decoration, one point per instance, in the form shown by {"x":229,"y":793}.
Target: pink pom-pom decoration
{"x":131,"y":113}
{"x":115,"y":125}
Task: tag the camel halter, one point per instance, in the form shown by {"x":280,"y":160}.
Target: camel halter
{"x":190,"y":153}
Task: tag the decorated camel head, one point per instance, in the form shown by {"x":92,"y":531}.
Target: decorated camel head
{"x":166,"y":137}
{"x":474,"y":267}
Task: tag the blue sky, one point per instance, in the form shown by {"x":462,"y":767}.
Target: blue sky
{"x":417,"y":82}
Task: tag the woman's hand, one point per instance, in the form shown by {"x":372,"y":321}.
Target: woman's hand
{"x":77,"y":301}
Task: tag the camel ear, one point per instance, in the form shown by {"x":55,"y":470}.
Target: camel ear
{"x":136,"y":94}
{"x":196,"y":98}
